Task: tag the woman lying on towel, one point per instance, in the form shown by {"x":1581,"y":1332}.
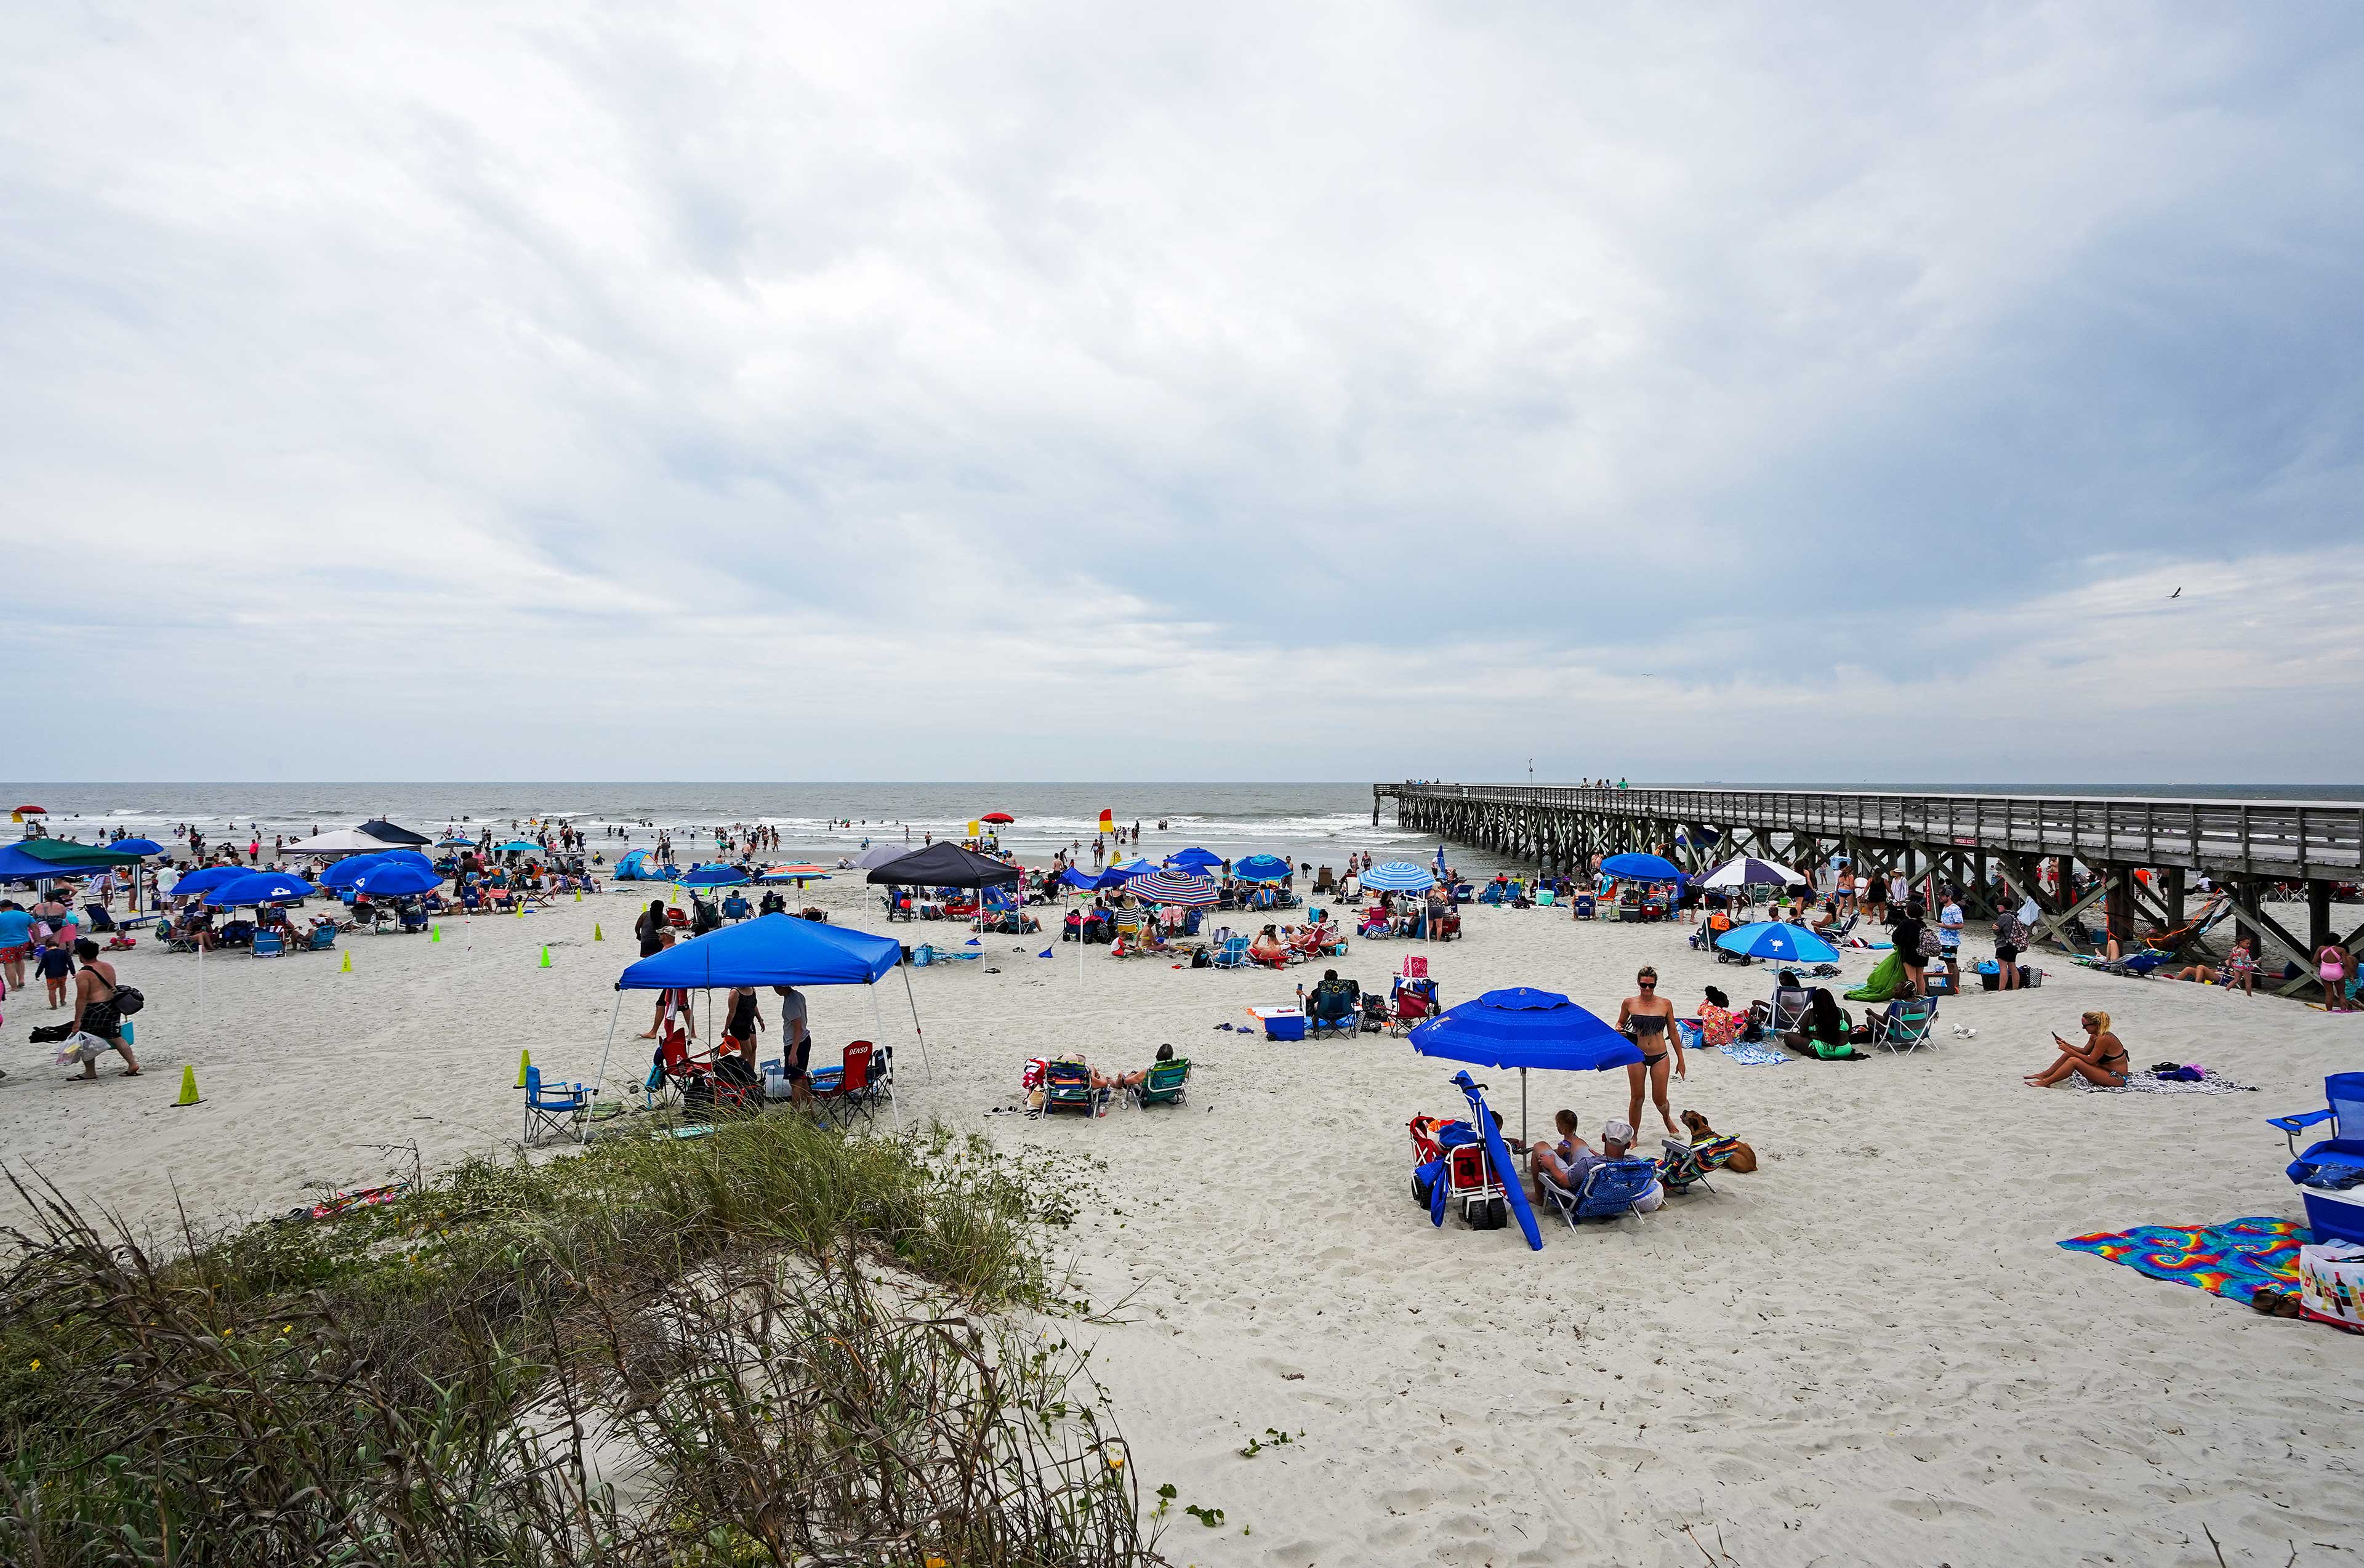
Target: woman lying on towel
{"x":2102,"y":1060}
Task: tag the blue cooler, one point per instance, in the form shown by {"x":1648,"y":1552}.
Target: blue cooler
{"x":2336,"y":1216}
{"x":1282,"y":1023}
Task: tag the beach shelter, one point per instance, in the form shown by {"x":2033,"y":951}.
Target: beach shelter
{"x":42,"y":860}
{"x":342,"y":842}
{"x":1262,"y":868}
{"x":1780,"y":941}
{"x":1194,"y":859}
{"x":770,"y":950}
{"x":877,"y":855}
{"x":1635,"y":866}
{"x":1521,"y":1027}
{"x":944,"y":865}
{"x":385,"y":833}
{"x":1398,"y":876}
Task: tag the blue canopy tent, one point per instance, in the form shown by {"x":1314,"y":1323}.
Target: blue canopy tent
{"x":770,"y":950}
{"x":1262,"y":868}
{"x":1193,"y":859}
{"x":45,"y":859}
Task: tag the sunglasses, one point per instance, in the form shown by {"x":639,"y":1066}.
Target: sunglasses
{"x":1649,"y":984}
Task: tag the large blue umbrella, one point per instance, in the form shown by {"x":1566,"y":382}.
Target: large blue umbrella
{"x":1778,"y":940}
{"x":1262,"y":868}
{"x":1521,"y":1027}
{"x":136,"y":847}
{"x":207,"y":879}
{"x":1635,"y":866}
{"x":1193,"y":859}
{"x":391,"y":878}
{"x":350,"y":869}
{"x":260,"y":887}
{"x":1398,"y":876}
{"x":410,"y":857}
{"x":518,"y":847}
{"x":715,"y":876}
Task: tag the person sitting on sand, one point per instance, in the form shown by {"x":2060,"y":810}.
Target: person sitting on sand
{"x":1823,"y":1032}
{"x":2198,"y":971}
{"x":2102,"y":1060}
{"x":1718,"y":1025}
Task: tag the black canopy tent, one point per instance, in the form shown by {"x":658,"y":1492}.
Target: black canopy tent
{"x":946,"y":865}
{"x":379,"y":828}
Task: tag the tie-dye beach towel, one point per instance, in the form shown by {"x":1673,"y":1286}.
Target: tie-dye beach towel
{"x":2233,"y":1260}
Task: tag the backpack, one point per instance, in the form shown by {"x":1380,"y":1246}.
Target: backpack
{"x":1930,"y":944}
{"x":128,"y":1000}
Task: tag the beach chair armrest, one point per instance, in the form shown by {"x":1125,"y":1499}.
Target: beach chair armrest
{"x":2300,"y":1122}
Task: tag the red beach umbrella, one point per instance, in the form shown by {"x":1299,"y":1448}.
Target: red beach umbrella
{"x":997,"y":816}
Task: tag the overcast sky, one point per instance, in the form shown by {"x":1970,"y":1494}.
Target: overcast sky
{"x":1203,"y":392}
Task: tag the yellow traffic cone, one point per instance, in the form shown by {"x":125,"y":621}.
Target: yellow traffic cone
{"x":521,"y":909}
{"x":189,"y":1095}
{"x":347,"y":967}
{"x":545,"y":955}
{"x":594,"y":932}
{"x":578,"y":895}
{"x":525,"y":1060}
{"x":438,"y":932}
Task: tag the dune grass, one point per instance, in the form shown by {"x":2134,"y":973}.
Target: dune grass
{"x":657,"y":1352}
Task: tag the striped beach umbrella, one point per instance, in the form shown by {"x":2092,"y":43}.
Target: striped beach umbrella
{"x":1747,"y":871}
{"x":1173,"y":887}
{"x":1398,"y":876}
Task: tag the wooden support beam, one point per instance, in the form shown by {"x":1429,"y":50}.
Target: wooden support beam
{"x":2271,"y":939}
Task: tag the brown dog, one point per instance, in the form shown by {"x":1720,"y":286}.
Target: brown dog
{"x":1735,"y":1155}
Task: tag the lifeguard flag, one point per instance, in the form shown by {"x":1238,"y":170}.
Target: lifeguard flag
{"x":974,"y":831}
{"x":1108,"y":821}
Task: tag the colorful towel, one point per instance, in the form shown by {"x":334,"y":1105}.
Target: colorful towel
{"x":1754,"y":1055}
{"x":2234,"y":1260}
{"x":2210,"y":1083}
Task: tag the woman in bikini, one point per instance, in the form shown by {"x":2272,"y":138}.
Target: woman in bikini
{"x":2101,"y":1061}
{"x":1648,"y":1019}
{"x":2331,"y":968}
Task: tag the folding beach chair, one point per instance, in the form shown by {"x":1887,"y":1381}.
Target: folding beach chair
{"x":1068,"y":1086}
{"x":1679,"y":1168}
{"x":95,"y":918}
{"x":1167,"y":1083}
{"x":322,"y":939}
{"x":1232,"y":953}
{"x":1789,"y":1008}
{"x":1906,"y":1023}
{"x":1335,"y":1005}
{"x":1609,"y":1192}
{"x":552,"y":1108}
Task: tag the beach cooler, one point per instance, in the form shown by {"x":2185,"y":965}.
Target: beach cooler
{"x":1280,"y":1023}
{"x":2335,"y":1216}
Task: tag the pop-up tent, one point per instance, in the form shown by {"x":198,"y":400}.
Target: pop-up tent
{"x":40,"y":859}
{"x":385,"y":833}
{"x":946,"y":865}
{"x":772,"y":950}
{"x":342,"y":842}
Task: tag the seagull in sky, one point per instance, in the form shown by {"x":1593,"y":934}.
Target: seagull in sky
{"x":2176,"y":595}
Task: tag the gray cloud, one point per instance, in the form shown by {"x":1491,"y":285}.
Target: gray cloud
{"x":1392,"y":389}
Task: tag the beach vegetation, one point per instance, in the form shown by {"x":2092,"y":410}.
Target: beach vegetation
{"x":771,"y":1345}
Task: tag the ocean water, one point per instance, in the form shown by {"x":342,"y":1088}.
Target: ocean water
{"x":1308,"y":823}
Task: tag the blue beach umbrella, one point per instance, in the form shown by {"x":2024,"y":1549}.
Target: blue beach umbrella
{"x":1777,"y":940}
{"x":455,"y":844}
{"x":1193,"y":859}
{"x":1398,"y":876}
{"x":1262,"y":868}
{"x":135,"y":847}
{"x":518,"y":846}
{"x":1635,"y":866}
{"x":350,"y":869}
{"x":408,"y":857}
{"x":715,"y":876}
{"x":207,"y":879}
{"x":396,"y":879}
{"x":260,"y":887}
{"x":1521,"y":1027}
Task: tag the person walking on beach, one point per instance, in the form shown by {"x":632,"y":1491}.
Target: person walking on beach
{"x":2331,"y":968}
{"x":795,"y":1044}
{"x":95,"y":1012}
{"x":2011,"y":941}
{"x":15,"y":943}
{"x":651,"y":926}
{"x":1907,"y":933}
{"x":1648,"y":1019}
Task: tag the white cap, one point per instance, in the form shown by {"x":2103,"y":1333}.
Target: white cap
{"x":1617,"y":1132}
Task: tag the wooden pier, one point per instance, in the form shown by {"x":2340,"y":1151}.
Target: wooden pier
{"x":2252,"y":849}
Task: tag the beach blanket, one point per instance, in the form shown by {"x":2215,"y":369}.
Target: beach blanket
{"x":1754,"y":1055}
{"x":2210,"y":1081}
{"x":1882,"y":983}
{"x":2234,"y":1260}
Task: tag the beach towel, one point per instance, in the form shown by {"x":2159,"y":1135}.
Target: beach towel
{"x":1754,"y":1055}
{"x":2234,"y":1260}
{"x":2210,"y":1081}
{"x":1882,"y":983}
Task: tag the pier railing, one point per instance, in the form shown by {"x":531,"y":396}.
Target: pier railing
{"x":2290,"y":839}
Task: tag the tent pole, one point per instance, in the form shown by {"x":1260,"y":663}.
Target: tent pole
{"x":879,"y":1025}
{"x":917,"y":1030}
{"x":1522,"y":1105}
{"x":601,"y":1080}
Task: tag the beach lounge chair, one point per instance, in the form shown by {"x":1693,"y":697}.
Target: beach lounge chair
{"x":270,"y":944}
{"x":1068,"y":1086}
{"x":95,"y":918}
{"x":1232,"y":953}
{"x":1166,"y":1085}
{"x":1905,"y":1023}
{"x":1681,"y":1169}
{"x":552,"y":1108}
{"x":1609,"y":1192}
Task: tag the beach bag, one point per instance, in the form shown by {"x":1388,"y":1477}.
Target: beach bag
{"x":128,"y":1000}
{"x":2331,"y":1284}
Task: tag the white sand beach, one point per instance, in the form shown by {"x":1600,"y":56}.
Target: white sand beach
{"x":1872,"y":1350}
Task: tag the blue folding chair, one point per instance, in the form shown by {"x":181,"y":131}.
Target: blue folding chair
{"x":1610,"y":1190}
{"x":554,"y":1108}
